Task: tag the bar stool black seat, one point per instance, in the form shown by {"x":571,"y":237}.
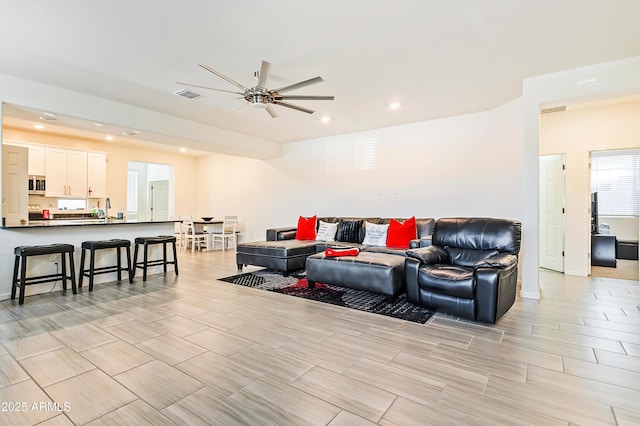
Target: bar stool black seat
{"x":145,"y":263}
{"x":93,"y":246}
{"x":22,"y":253}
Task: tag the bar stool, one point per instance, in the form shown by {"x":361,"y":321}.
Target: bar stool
{"x":93,"y":246}
{"x":22,"y":253}
{"x":146,"y":242}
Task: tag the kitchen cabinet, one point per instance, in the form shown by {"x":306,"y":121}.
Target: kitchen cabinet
{"x":96,"y":175}
{"x":36,"y":161}
{"x":66,"y":173}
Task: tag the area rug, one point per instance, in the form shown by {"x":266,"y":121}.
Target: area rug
{"x":296,"y":285}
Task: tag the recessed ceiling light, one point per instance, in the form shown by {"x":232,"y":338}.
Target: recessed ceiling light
{"x":38,"y":126}
{"x":325,"y":119}
{"x":109,"y":137}
{"x":98,"y":124}
{"x":183,"y":149}
{"x":49,"y":114}
{"x":394,"y":105}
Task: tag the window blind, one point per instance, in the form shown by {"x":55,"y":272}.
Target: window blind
{"x":615,"y":176}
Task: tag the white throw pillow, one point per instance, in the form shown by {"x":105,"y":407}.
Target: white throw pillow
{"x":376,"y":235}
{"x":326,"y":231}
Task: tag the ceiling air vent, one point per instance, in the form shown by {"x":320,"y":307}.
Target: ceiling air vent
{"x":553,"y":109}
{"x":188,"y":94}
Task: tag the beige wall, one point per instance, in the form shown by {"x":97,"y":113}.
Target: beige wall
{"x":576,"y":132}
{"x":118,"y":156}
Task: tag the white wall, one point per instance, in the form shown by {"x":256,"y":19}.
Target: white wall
{"x":625,"y":228}
{"x":576,"y":132}
{"x":461,"y":166}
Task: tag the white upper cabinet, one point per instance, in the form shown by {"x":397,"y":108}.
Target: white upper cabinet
{"x":36,"y":161}
{"x":66,"y":173}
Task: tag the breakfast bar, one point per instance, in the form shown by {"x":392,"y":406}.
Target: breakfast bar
{"x":71,"y":231}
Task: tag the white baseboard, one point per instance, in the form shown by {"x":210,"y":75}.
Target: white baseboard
{"x":530,"y":294}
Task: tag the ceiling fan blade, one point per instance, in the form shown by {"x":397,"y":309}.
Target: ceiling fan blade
{"x":272,"y":112}
{"x":241,"y":108}
{"x":300,"y":84}
{"x":224,"y":77}
{"x":263,"y":74}
{"x":296,"y":107}
{"x":210,"y":88}
{"x":305,"y":98}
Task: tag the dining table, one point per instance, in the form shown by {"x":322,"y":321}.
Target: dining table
{"x":208,"y":226}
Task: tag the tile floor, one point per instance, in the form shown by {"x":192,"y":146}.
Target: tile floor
{"x":195,"y":351}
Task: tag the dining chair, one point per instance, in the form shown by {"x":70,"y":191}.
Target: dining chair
{"x":193,"y":237}
{"x":226,"y":233}
{"x":182,"y":241}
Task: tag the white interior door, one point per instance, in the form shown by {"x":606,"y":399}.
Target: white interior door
{"x":551,"y":235}
{"x":15,"y":198}
{"x":159,"y":200}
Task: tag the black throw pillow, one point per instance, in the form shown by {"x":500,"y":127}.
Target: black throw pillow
{"x":349,"y":231}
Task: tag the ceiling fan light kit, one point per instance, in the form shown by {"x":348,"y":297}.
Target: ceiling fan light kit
{"x":259,"y":96}
{"x":259,"y":100}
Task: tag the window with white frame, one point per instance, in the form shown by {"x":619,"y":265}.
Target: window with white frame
{"x":72,"y":204}
{"x":615,"y":176}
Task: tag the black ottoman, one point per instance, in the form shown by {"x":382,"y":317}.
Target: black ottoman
{"x":285,"y":255}
{"x":377,"y":272}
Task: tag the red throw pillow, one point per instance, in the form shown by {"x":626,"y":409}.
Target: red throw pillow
{"x":306,"y":228}
{"x":400,"y":234}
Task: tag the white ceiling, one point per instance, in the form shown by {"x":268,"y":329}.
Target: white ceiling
{"x":437,"y":58}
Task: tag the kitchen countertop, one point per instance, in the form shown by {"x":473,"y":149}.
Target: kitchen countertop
{"x":57,"y":223}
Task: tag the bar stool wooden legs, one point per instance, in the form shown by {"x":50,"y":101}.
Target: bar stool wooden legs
{"x":22,"y":253}
{"x":145,"y":263}
{"x":93,"y":246}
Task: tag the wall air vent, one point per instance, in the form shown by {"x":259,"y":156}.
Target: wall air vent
{"x":553,"y":109}
{"x":188,"y":94}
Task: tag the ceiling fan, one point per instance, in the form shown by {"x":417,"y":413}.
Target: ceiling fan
{"x":261,"y":97}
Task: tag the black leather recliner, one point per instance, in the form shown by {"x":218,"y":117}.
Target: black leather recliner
{"x":470,"y":271}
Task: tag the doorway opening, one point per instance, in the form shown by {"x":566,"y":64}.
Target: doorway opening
{"x":615,"y":195}
{"x":150,"y":191}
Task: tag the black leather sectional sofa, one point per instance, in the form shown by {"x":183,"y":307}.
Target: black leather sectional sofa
{"x":282,"y":252}
{"x":466,"y":267}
